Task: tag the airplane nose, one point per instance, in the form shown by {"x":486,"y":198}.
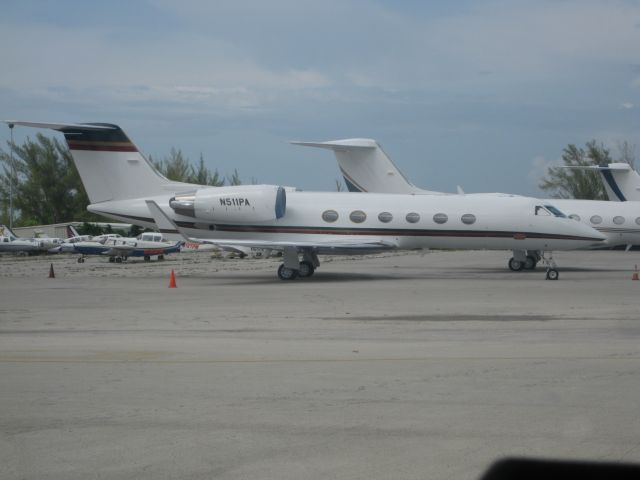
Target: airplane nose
{"x":589,"y":233}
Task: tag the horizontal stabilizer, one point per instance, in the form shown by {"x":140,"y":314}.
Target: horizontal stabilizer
{"x":346,"y":144}
{"x":611,"y":166}
{"x":61,"y":126}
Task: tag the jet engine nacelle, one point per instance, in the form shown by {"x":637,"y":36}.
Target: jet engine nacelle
{"x":236,"y":204}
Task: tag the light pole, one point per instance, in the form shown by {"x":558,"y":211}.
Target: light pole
{"x":11,"y":180}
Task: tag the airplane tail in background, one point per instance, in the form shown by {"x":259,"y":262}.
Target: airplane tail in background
{"x":110,"y":165}
{"x":6,"y":232}
{"x":365,"y":160}
{"x":621,"y":181}
{"x":72,"y":232}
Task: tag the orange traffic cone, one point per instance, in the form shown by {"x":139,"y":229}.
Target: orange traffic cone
{"x":172,"y":280}
{"x":635,"y":274}
{"x":51,"y":272}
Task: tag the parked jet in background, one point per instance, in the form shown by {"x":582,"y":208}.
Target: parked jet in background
{"x":367,"y":168}
{"x":120,"y":181}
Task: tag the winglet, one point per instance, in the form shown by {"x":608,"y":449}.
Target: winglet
{"x":163,"y":221}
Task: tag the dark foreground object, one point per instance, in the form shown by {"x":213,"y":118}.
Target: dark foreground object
{"x":530,"y":469}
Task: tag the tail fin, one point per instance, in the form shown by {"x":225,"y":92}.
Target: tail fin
{"x":72,"y":232}
{"x":110,"y":165}
{"x":621,"y":182}
{"x":6,"y":232}
{"x":366,"y":167}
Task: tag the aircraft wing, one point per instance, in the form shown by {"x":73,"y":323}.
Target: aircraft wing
{"x":338,"y":246}
{"x":325,"y":247}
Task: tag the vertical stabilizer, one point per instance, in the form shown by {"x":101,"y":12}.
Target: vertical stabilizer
{"x":110,"y":165}
{"x":366,"y":167}
{"x":5,"y":232}
{"x":621,"y":182}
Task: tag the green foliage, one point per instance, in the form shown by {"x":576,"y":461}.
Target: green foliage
{"x":235,"y":178}
{"x":46,"y":185}
{"x":578,"y":183}
{"x":178,"y":168}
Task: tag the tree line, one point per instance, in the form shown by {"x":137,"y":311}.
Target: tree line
{"x":47,"y":188}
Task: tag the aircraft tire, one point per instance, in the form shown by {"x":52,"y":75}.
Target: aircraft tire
{"x":515,"y":265}
{"x":552,"y":274}
{"x":80,"y":260}
{"x":285,"y":273}
{"x":118,"y":259}
{"x":147,"y":258}
{"x":160,"y":257}
{"x":530,"y":263}
{"x":112,"y":259}
{"x":306,"y":269}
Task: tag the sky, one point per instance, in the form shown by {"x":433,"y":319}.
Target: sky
{"x":482,"y":94}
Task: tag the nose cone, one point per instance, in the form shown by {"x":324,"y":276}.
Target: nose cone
{"x":588,"y":234}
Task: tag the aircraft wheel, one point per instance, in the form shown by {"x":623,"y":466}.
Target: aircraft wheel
{"x":515,"y":265}
{"x":306,"y":269}
{"x":285,"y":273}
{"x":552,"y":274}
{"x":530,"y":263}
{"x":147,"y":258}
{"x":112,"y":259}
{"x":80,"y":260}
{"x":160,"y":257}
{"x":118,"y":259}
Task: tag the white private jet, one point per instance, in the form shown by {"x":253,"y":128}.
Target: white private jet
{"x":367,"y":168}
{"x":120,"y":182}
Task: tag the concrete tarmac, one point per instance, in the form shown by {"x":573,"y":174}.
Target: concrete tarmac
{"x":393,"y":366}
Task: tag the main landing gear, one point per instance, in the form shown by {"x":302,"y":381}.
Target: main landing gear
{"x":528,"y":260}
{"x":293,"y":267}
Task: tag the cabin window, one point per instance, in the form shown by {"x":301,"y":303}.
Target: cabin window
{"x":575,"y":217}
{"x":413,"y":217}
{"x":596,"y":219}
{"x":468,"y":218}
{"x":618,"y":220}
{"x":385,"y":217}
{"x":358,"y":216}
{"x":330,"y":216}
{"x":440,"y":218}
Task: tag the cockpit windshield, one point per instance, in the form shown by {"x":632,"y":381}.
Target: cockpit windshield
{"x":555,"y":211}
{"x":548,"y":210}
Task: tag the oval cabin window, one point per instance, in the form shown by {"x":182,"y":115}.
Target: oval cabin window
{"x":596,"y":219}
{"x":440,"y":218}
{"x":330,"y":216}
{"x":413,"y":217}
{"x":618,"y":220}
{"x":468,"y":218}
{"x":358,"y":216}
{"x":385,"y":217}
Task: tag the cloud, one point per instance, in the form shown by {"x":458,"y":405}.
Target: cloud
{"x":627,"y":105}
{"x":539,"y":168}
